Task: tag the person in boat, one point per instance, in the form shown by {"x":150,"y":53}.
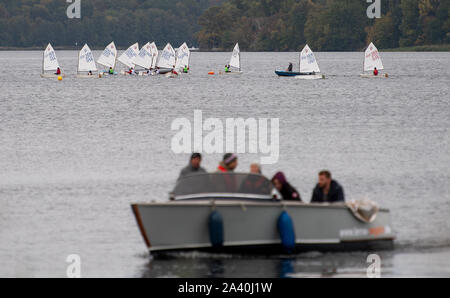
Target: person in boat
{"x":186,"y":69}
{"x":375,"y":71}
{"x":58,"y":71}
{"x":228,"y":164}
{"x":255,"y":182}
{"x":327,"y":190}
{"x":287,"y":191}
{"x":90,"y":73}
{"x":111,"y":71}
{"x":290,"y":67}
{"x":227,"y":68}
{"x":194,"y":166}
{"x":227,"y":182}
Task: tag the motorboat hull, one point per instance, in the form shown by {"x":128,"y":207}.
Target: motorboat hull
{"x":299,"y":75}
{"x":251,"y":227}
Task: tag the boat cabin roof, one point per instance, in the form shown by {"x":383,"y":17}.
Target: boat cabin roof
{"x":223,"y":185}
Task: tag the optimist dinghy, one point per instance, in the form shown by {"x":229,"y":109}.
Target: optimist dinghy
{"x":308,"y":67}
{"x":167,"y":60}
{"x":108,"y":58}
{"x":86,"y":63}
{"x":50,"y":63}
{"x":232,"y":212}
{"x":128,"y":57}
{"x":235,"y":62}
{"x":183,"y":56}
{"x":372,"y":60}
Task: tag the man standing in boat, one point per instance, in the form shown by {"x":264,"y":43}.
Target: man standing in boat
{"x":193,"y":167}
{"x":290,"y":67}
{"x":327,"y":190}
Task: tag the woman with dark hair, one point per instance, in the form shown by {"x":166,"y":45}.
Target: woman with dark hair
{"x":287,"y":191}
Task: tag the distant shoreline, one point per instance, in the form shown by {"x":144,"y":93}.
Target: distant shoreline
{"x":424,"y":48}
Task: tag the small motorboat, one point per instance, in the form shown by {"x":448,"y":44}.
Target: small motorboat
{"x":308,"y":67}
{"x":241,"y":213}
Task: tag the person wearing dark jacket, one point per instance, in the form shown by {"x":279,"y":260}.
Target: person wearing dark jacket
{"x":287,"y":191}
{"x":327,"y":190}
{"x":193,"y":167}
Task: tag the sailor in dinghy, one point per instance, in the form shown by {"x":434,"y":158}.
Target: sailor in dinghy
{"x":234,"y":67}
{"x":50,"y":65}
{"x":128,"y":57}
{"x":86,"y":63}
{"x":372,"y":63}
{"x":183,"y":56}
{"x":108,"y":59}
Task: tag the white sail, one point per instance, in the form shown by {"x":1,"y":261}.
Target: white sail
{"x":86,"y":60}
{"x":167,"y":57}
{"x":144,"y":58}
{"x":236,"y":57}
{"x":50,"y":62}
{"x":127,"y":58}
{"x":155,"y":53}
{"x":109,"y":56}
{"x":372,"y":58}
{"x":308,"y":62}
{"x":183,"y":56}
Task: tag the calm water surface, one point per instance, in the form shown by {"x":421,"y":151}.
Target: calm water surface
{"x":75,"y":154}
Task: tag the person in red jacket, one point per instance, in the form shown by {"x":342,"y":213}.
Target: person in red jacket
{"x":58,"y":71}
{"x":375,"y":71}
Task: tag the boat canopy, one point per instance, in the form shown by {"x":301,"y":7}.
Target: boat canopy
{"x":223,"y":185}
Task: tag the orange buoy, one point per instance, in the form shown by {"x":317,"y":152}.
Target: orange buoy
{"x":211,"y":73}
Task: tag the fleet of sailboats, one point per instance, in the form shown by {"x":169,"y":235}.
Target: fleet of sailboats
{"x":170,"y":61}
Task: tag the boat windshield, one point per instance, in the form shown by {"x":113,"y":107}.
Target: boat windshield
{"x":223,"y":185}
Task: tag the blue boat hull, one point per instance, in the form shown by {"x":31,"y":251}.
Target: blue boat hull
{"x":291,"y":73}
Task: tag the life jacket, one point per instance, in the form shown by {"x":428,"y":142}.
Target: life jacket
{"x":375,"y":72}
{"x":58,"y":71}
{"x":222,"y":169}
{"x":185,"y":69}
{"x":111,"y":71}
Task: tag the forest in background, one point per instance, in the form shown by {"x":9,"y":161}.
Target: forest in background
{"x":34,"y":23}
{"x":326,"y":25}
{"x":258,"y":25}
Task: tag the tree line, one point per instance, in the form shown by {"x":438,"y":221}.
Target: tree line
{"x":34,"y":23}
{"x":326,"y":25}
{"x":258,"y":25}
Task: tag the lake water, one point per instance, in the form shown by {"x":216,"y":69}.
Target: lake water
{"x":74,"y":154}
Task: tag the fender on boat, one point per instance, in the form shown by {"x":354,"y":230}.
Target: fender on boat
{"x":286,"y":230}
{"x":216,"y":229}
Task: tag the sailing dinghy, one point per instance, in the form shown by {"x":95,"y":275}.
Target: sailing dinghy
{"x":308,"y":67}
{"x":144,"y":59}
{"x":128,"y":57}
{"x":372,"y":60}
{"x":50,"y":63}
{"x":86,"y":63}
{"x":167,"y":60}
{"x":108,"y":58}
{"x":183,"y":58}
{"x":235,"y":61}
